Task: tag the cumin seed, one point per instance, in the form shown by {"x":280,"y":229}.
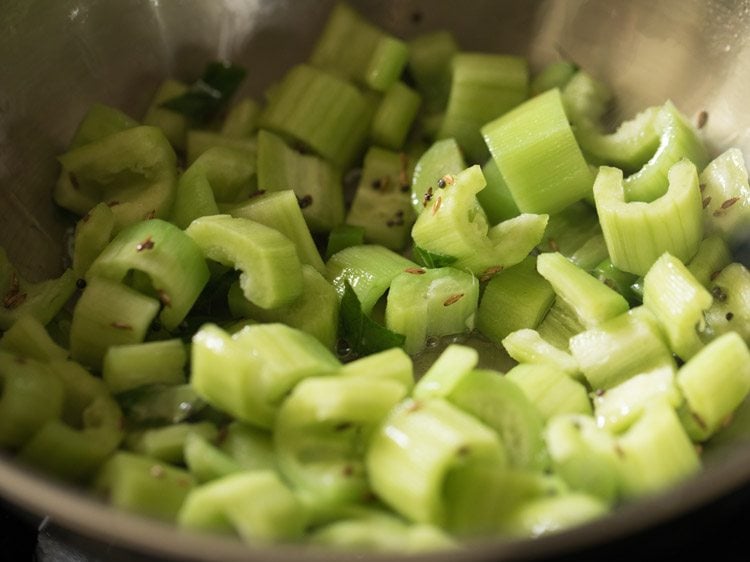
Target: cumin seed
{"x":165,"y":299}
{"x":702,"y":119}
{"x":16,"y":299}
{"x":436,"y":206}
{"x":453,"y":299}
{"x":415,"y":270}
{"x":147,"y":244}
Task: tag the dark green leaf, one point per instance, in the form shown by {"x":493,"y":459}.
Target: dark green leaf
{"x":206,"y":97}
{"x":428,"y":259}
{"x":362,"y":333}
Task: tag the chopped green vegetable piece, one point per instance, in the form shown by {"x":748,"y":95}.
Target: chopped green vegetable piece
{"x":249,"y":373}
{"x":678,"y":302}
{"x":618,"y":407}
{"x":317,"y":184}
{"x":143,"y":485}
{"x":586,"y":99}
{"x":256,"y":505}
{"x":134,"y":171}
{"x":381,"y":204}
{"x":320,"y":437}
{"x":125,"y":320}
{"x":528,"y":346}
{"x":205,"y":461}
{"x":167,"y":443}
{"x":315,"y":311}
{"x":41,"y":300}
{"x":678,"y":140}
{"x":431,"y":303}
{"x":629,"y":148}
{"x":712,"y":257}
{"x":537,"y":154}
{"x":454,"y":224}
{"x":655,"y":452}
{"x":446,"y":372}
{"x":715,"y":381}
{"x":127,"y":367}
{"x":379,"y":531}
{"x":93,"y":233}
{"x":730,"y":310}
{"x":322,"y":111}
{"x":228,"y":170}
{"x":250,"y":446}
{"x":484,"y":86}
{"x":592,"y":301}
{"x":637,"y":233}
{"x":27,"y":337}
{"x":549,"y":515}
{"x":413,"y":453}
{"x":394,"y":116}
{"x":570,"y":230}
{"x":174,"y":125}
{"x":281,"y":210}
{"x":584,"y":455}
{"x":496,"y":199}
{"x":442,"y":159}
{"x":502,"y":405}
{"x":101,"y":121}
{"x":430,"y":56}
{"x":89,"y":431}
{"x":551,"y":390}
{"x":173,"y":262}
{"x":368,"y":269}
{"x":514,"y":298}
{"x":31,"y":396}
{"x":392,"y":364}
{"x":726,"y":197}
{"x":351,"y":46}
{"x":560,"y":324}
{"x":271,"y":272}
{"x":200,"y":141}
{"x":242,"y":119}
{"x":605,"y":353}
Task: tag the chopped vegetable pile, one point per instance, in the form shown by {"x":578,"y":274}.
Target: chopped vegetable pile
{"x":233,"y":346}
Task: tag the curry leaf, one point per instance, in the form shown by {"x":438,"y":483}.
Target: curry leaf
{"x":205,"y":98}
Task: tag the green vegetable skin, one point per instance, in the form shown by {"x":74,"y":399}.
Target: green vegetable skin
{"x":217,"y":373}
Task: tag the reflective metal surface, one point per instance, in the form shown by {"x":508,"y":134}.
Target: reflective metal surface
{"x":58,"y":57}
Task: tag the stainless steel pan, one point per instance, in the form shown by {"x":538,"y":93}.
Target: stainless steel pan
{"x":59,"y":56}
